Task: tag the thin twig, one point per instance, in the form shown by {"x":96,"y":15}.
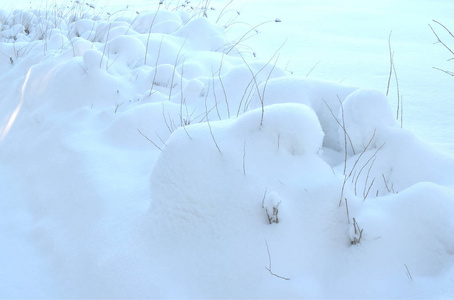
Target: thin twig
{"x":354,"y":166}
{"x":408,"y":272}
{"x":440,"y":41}
{"x":254,"y":78}
{"x":310,"y":71}
{"x":243,"y":37}
{"x":398,"y":91}
{"x":348,"y":214}
{"x":149,"y":139}
{"x":222,"y":84}
{"x":445,"y":71}
{"x":214,"y":95}
{"x":444,"y":27}
{"x":149,"y":33}
{"x":208,"y":122}
{"x":156,"y":65}
{"x":341,"y":125}
{"x":390,"y":62}
{"x":165,"y":118}
{"x":222,"y":11}
{"x":263,"y":199}
{"x":368,"y":190}
{"x":264,"y":89}
{"x":269,"y":260}
{"x":175,"y":68}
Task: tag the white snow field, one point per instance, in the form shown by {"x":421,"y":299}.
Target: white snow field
{"x":162,"y":151}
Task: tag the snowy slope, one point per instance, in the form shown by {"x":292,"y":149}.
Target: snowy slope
{"x":150,"y":154}
{"x":347,"y":42}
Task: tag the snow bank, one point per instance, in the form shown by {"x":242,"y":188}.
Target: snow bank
{"x":199,"y":211}
{"x":367,"y":115}
{"x":324,"y":97}
{"x":294,"y":127}
{"x":140,"y":158}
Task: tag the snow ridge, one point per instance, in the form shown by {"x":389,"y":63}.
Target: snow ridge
{"x":141,"y":158}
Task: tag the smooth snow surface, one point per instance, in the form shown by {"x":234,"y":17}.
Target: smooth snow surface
{"x":157,"y":154}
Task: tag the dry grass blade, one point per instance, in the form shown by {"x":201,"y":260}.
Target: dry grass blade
{"x":313,"y":68}
{"x":444,"y":71}
{"x":439,"y":40}
{"x":149,"y":139}
{"x":346,"y":177}
{"x":450,"y":33}
{"x":263,"y":199}
{"x":408,"y":272}
{"x":391,"y":62}
{"x":342,"y":125}
{"x":156,"y":66}
{"x":244,"y":36}
{"x":149,"y":33}
{"x":398,"y":91}
{"x":223,"y":88}
{"x":269,"y":261}
{"x":177,"y":58}
{"x":254,"y":78}
{"x":208,"y":121}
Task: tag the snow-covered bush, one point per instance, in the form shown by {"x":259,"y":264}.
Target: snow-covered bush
{"x":367,"y":114}
{"x":145,"y":155}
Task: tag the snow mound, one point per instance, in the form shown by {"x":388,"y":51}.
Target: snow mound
{"x":202,"y":35}
{"x":294,"y":127}
{"x":192,"y":206}
{"x":367,"y":113}
{"x":238,"y":150}
{"x":323,"y":97}
{"x":142,"y":158}
{"x":153,"y":21}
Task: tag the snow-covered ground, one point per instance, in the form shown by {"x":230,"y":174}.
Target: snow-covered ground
{"x":153,"y":152}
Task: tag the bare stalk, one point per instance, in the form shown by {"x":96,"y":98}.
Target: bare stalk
{"x":244,"y":36}
{"x":263,"y":199}
{"x":223,"y":11}
{"x":342,"y":125}
{"x":222,"y":85}
{"x":208,"y":122}
{"x":154,"y":144}
{"x":438,"y":38}
{"x":398,"y":91}
{"x":149,"y":33}
{"x":313,"y":68}
{"x":254,"y":78}
{"x":105,"y":45}
{"x":346,"y":177}
{"x":408,"y":272}
{"x":174,"y":69}
{"x":390,"y":62}
{"x":269,"y":264}
{"x":156,"y":66}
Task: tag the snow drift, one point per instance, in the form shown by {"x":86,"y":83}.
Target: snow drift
{"x":139,"y":158}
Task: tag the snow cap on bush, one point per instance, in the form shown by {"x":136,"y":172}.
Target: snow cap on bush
{"x":203,"y":35}
{"x":366,"y":111}
{"x":294,"y":126}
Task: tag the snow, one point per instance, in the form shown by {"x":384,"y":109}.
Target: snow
{"x":366,"y":114}
{"x":157,"y":154}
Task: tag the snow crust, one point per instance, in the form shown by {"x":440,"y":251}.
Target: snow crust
{"x":142,"y":156}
